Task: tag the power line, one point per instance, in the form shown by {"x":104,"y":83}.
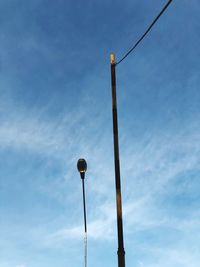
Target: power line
{"x":149,"y":28}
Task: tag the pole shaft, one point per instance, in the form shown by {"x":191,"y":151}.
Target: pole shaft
{"x":84,"y":206}
{"x":85,"y":222}
{"x":121,"y":252}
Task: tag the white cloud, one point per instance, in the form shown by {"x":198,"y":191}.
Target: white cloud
{"x":147,"y":174}
{"x":148,"y":168}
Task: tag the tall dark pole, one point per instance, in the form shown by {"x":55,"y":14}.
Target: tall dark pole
{"x":120,"y":252}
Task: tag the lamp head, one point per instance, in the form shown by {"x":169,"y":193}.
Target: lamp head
{"x":82,"y":167}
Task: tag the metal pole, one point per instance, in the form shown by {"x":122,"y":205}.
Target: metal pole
{"x":85,"y":224}
{"x":82,"y":168}
{"x":84,"y":206}
{"x":120,"y":252}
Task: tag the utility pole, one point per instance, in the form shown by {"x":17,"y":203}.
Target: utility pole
{"x":120,"y":252}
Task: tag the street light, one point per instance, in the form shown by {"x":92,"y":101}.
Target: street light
{"x":113,"y":63}
{"x":82,"y":168}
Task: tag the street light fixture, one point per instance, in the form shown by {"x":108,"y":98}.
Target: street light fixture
{"x":82,"y":167}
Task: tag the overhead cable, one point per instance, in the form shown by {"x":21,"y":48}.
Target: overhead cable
{"x":149,"y":28}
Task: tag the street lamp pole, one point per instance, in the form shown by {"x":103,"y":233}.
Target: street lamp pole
{"x":120,"y":252}
{"x":82,"y":168}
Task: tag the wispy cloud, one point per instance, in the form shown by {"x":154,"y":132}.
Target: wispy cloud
{"x":151,"y":168}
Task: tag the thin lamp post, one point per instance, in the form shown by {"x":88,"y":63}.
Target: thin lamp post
{"x":82,"y":168}
{"x":121,"y":251}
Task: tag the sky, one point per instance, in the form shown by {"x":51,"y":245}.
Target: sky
{"x":55,"y":107}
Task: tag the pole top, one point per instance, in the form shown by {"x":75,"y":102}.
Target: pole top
{"x":112,"y":58}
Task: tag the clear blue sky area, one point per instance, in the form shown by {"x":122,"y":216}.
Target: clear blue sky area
{"x":55,"y":107}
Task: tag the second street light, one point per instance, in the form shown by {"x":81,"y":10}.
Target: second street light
{"x":82,"y":168}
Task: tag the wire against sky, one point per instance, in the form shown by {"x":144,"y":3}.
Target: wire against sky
{"x":149,"y":28}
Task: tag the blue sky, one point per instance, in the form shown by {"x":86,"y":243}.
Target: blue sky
{"x":55,"y":107}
